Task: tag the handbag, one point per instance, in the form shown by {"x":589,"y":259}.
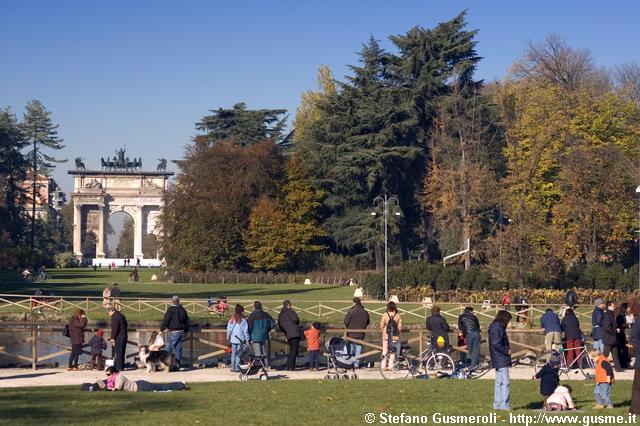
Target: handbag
{"x":65,"y":331}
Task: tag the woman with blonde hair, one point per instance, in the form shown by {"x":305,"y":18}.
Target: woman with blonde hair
{"x":391,"y":325}
{"x":77,"y":323}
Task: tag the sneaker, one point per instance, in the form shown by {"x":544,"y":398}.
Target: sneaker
{"x":598,"y":407}
{"x":609,"y":406}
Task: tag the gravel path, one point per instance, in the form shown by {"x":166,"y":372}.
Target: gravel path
{"x":20,"y":377}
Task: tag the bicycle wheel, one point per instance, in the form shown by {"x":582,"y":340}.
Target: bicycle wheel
{"x":480,"y":370}
{"x":542,"y":359}
{"x":395,"y":368}
{"x":587,"y":367}
{"x":439,"y":362}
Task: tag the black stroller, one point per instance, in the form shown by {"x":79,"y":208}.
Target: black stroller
{"x":250,"y":364}
{"x":341,"y":359}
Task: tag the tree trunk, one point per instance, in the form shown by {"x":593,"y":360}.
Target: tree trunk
{"x":379,"y":254}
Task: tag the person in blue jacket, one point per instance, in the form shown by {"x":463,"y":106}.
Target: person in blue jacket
{"x":500,"y":352}
{"x":260,"y":324}
{"x":552,"y":329}
{"x":237,"y":334}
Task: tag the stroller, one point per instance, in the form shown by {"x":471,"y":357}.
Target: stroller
{"x":341,"y":359}
{"x":251,"y":364}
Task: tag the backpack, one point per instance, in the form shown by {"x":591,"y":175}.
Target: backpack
{"x":66,"y":331}
{"x":392,"y":327}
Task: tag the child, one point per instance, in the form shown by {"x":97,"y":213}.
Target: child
{"x":97,"y":346}
{"x":156,"y":342}
{"x":561,"y":400}
{"x":313,"y":345}
{"x":604,"y":380}
{"x":549,"y":379}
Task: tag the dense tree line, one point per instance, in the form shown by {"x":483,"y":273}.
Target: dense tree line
{"x":25,"y":146}
{"x":537,"y":170}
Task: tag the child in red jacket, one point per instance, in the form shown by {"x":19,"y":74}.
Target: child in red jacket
{"x":312,"y":334}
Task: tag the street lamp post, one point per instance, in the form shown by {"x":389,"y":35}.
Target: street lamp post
{"x":385,"y":211}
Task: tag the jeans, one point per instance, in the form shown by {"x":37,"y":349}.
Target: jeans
{"x":473,"y":347}
{"x":601,"y":393}
{"x":357,"y":349}
{"x":501,"y":390}
{"x":174,"y":342}
{"x":314,"y":359}
{"x":597,"y":344}
{"x":293,"y":353}
{"x":235,"y":359}
{"x":260,"y":349}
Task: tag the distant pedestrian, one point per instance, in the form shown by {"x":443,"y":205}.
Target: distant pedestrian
{"x":391,"y":326}
{"x":77,"y":323}
{"x":98,"y":345}
{"x":469,"y":324}
{"x":506,"y":302}
{"x":610,"y":335}
{"x":260,"y":324}
{"x":500,"y":353}
{"x":290,"y":323}
{"x":238,"y":336}
{"x":634,"y":337}
{"x":138,"y":263}
{"x":622,"y":327}
{"x":550,"y":322}
{"x":571,"y":298}
{"x":357,"y":319}
{"x":597,"y":316}
{"x":312,"y":334}
{"x":115,"y":297}
{"x":176,"y":320}
{"x":119,"y":336}
{"x":573,"y":337}
{"x":439,"y":328}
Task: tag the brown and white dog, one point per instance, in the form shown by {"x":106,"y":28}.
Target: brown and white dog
{"x":154,"y":359}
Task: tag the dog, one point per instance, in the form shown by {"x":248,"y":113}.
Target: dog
{"x":154,"y":359}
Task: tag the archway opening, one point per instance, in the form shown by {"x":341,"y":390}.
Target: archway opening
{"x":120,"y":236}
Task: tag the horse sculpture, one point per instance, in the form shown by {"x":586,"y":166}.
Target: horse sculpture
{"x":79,"y":163}
{"x":162,"y":165}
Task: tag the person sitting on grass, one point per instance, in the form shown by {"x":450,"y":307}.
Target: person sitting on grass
{"x":116,"y":381}
{"x":549,"y":379}
{"x":561,"y":400}
{"x":604,"y":380}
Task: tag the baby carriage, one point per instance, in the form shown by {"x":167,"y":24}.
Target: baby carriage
{"x":251,"y":364}
{"x":341,"y":359}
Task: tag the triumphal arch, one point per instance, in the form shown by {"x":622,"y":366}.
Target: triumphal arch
{"x":120,"y":185}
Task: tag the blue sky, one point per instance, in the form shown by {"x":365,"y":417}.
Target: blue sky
{"x":141,"y":73}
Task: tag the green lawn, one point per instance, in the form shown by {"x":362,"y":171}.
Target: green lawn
{"x":281,"y":402}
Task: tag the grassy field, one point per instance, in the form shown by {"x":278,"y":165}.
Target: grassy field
{"x":282,"y":402}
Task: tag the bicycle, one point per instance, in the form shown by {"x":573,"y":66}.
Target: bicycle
{"x":581,"y":362}
{"x":405,"y":365}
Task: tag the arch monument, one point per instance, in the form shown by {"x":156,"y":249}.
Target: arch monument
{"x":121,"y":185}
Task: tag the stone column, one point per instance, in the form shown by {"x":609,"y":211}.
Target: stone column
{"x":77,"y":230}
{"x":137,"y":234}
{"x":101,"y":234}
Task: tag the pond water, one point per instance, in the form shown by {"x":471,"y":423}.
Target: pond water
{"x":16,"y":342}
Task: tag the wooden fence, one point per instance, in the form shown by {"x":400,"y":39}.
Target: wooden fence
{"x":331,"y":310}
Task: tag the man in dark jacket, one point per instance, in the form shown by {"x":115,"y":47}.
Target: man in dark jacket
{"x":357,"y":319}
{"x":552,"y":330}
{"x":470,"y":326}
{"x":260,"y":324}
{"x":596,"y":324}
{"x":176,"y":320}
{"x":290,"y":323}
{"x":438,"y":327}
{"x":610,"y":334}
{"x":119,"y":336}
{"x":500,"y":352}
